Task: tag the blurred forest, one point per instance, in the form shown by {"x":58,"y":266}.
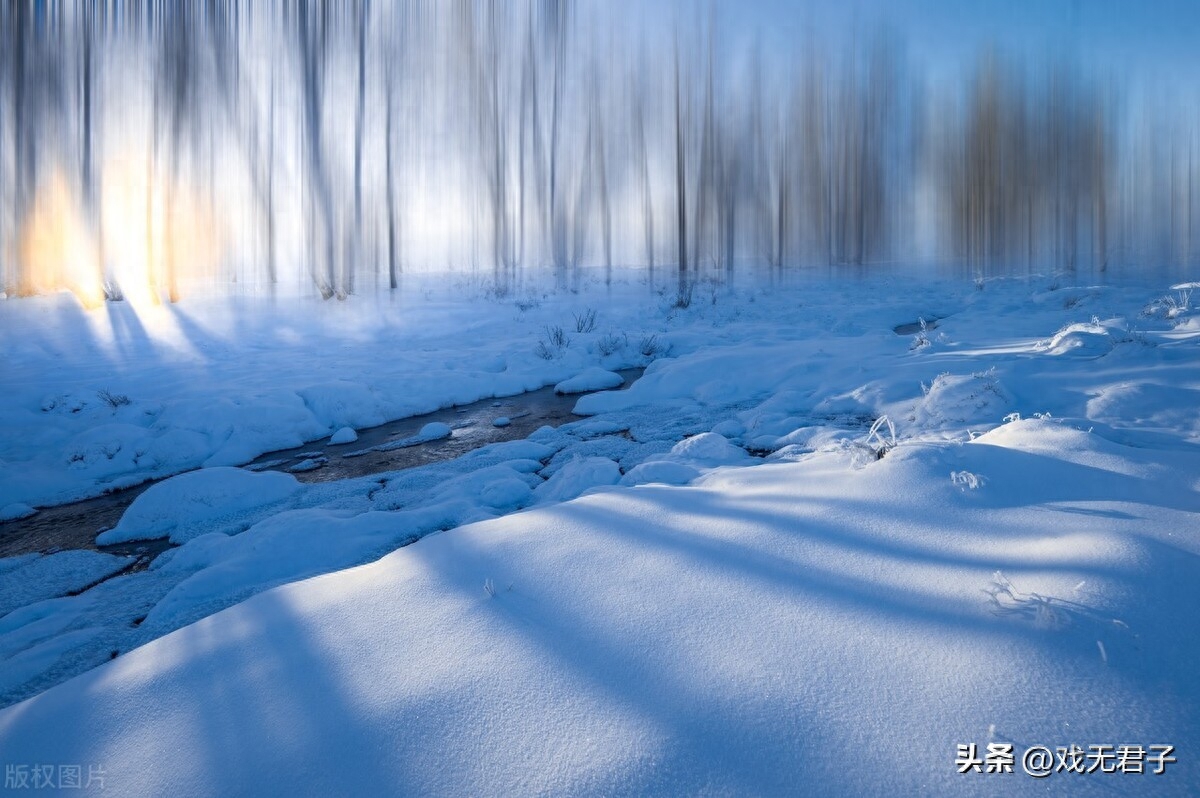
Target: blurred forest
{"x":330,"y":147}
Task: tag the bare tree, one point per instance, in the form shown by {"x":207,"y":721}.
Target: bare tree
{"x":362,"y":11}
{"x":638,"y":93}
{"x":680,"y":178}
{"x":312,"y":24}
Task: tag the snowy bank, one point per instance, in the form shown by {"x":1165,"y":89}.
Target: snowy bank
{"x":744,"y":636}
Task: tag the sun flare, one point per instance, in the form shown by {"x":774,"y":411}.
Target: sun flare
{"x":149,"y":237}
{"x":56,"y":248}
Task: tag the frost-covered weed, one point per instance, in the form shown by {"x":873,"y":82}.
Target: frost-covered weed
{"x":683,"y":297}
{"x":921,"y":340}
{"x":611,"y":343}
{"x":966,"y":480}
{"x":1046,"y":612}
{"x":876,"y":440}
{"x":651,"y":347}
{"x":938,"y":380}
{"x":880,"y":440}
{"x":553,"y":343}
{"x":990,"y":383}
{"x":1171,"y":306}
{"x":113,"y":400}
{"x":1133,"y":336}
{"x":585,"y":322}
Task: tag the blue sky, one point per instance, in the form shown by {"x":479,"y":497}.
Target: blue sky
{"x":1156,"y":39}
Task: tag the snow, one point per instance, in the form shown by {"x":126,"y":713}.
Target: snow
{"x":307,"y":464}
{"x":43,"y":656}
{"x":581,"y":474}
{"x":592,"y":379}
{"x":739,"y":635}
{"x":664,"y":471}
{"x":34,"y":577}
{"x":709,"y":449}
{"x":433,"y":431}
{"x":298,"y":540}
{"x":212,"y":499}
{"x":687,"y":460}
{"x":1080,"y":340}
{"x":343,"y":435}
{"x":16,"y":511}
{"x":732,"y":577}
{"x":224,"y":380}
{"x":344,"y":404}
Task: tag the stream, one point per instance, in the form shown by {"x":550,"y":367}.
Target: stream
{"x":75,"y":525}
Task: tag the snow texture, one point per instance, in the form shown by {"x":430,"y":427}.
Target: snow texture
{"x":716,"y":581}
{"x":209,"y":500}
{"x":592,"y":379}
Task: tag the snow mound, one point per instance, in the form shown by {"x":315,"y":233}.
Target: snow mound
{"x":433,"y":431}
{"x":665,"y":472}
{"x":957,"y":399}
{"x":506,"y":494}
{"x":726,"y":638}
{"x":687,"y":460}
{"x":225,"y":431}
{"x":1148,"y":405}
{"x":577,"y":476}
{"x":708,"y":449}
{"x":344,"y":404}
{"x":16,"y":511}
{"x":1057,"y":441}
{"x":301,"y":543}
{"x":108,"y":450}
{"x":1080,"y":340}
{"x":292,"y":545}
{"x":211,"y":499}
{"x":343,"y":435}
{"x":592,"y":379}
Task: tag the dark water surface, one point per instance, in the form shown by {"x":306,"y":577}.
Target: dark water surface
{"x":75,"y":526}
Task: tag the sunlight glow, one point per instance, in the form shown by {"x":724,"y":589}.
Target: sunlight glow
{"x":151,"y":238}
{"x":55,"y":244}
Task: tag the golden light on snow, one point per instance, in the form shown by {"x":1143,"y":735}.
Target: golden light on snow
{"x":192,"y":239}
{"x":56,"y":247}
{"x":149,"y":240}
{"x":156,"y":239}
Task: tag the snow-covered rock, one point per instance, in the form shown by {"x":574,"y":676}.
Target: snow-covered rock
{"x":592,"y":379}
{"x":16,"y":511}
{"x":578,"y":476}
{"x":434,"y":431}
{"x":208,"y":500}
{"x":708,"y":449}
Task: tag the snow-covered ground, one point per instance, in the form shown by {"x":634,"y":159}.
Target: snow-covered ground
{"x":800,"y":553}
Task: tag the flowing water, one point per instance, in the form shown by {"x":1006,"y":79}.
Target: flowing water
{"x":75,"y":526}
